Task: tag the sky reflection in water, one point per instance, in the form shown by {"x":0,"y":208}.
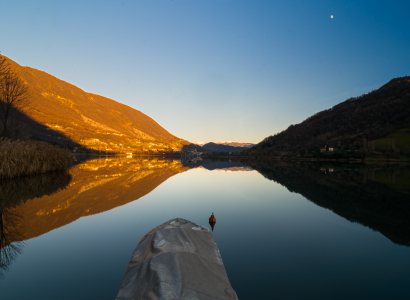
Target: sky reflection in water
{"x":274,"y":243}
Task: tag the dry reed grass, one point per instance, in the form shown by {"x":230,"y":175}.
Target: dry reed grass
{"x":21,"y":158}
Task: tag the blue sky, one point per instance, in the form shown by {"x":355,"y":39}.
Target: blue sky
{"x":214,"y":70}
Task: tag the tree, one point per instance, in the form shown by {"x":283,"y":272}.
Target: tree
{"x":14,"y":96}
{"x":4,"y":66}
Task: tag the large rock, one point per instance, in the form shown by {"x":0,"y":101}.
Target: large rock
{"x":176,"y":260}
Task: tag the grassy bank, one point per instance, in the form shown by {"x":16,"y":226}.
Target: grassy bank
{"x":22,"y":158}
{"x":396,"y":142}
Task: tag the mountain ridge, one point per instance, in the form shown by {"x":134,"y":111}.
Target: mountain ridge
{"x":236,"y":144}
{"x":90,"y":120}
{"x":229,"y":143}
{"x":222,"y":148}
{"x":352,"y":125}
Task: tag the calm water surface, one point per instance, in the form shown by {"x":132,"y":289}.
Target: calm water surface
{"x":285,"y":231}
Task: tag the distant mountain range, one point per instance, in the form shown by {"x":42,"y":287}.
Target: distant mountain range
{"x":233,"y":144}
{"x":236,"y":144}
{"x":222,"y":148}
{"x":61,"y":113}
{"x":377,"y":122}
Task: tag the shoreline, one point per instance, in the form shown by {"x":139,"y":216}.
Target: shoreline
{"x":368,"y":160}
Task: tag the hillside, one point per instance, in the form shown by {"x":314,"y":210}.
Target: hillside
{"x":356,"y":124}
{"x":62,"y":113}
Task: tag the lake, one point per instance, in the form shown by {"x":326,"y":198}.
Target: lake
{"x":285,"y":230}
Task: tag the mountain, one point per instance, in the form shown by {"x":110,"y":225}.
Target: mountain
{"x":377,"y":121}
{"x":236,"y":144}
{"x":62,"y":113}
{"x":196,"y":147}
{"x":233,"y":144}
{"x":222,"y":148}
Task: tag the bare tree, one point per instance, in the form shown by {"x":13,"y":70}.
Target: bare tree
{"x":4,"y":66}
{"x":14,"y":96}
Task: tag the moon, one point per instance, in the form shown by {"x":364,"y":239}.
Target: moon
{"x":331,"y":16}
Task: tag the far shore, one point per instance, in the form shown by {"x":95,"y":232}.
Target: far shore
{"x":76,"y":154}
{"x":368,"y":160}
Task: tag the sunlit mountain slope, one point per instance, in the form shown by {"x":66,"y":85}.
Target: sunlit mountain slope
{"x":71,"y":114}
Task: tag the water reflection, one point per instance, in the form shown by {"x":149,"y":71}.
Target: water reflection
{"x":374,"y":196}
{"x":227,"y":165}
{"x":96,"y":186}
{"x":9,"y":232}
{"x":90,"y":187}
{"x":13,"y":194}
{"x":301,"y":244}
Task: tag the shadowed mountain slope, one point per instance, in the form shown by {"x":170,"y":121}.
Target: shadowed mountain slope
{"x":88,"y":119}
{"x":347,"y":125}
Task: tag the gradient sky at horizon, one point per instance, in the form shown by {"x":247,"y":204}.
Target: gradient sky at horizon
{"x":214,"y":70}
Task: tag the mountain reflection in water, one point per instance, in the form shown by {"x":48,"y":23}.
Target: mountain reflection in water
{"x":306,"y":246}
{"x":96,"y":186}
{"x":89,"y":188}
{"x":227,"y":166}
{"x":374,"y":196}
{"x":34,"y":205}
{"x":14,"y":193}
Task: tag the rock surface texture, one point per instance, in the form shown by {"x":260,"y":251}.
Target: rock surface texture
{"x":176,"y":260}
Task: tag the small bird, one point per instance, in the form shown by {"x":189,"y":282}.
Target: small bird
{"x":212,"y":219}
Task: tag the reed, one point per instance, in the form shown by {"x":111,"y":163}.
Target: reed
{"x":22,"y":158}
